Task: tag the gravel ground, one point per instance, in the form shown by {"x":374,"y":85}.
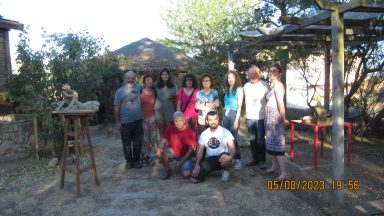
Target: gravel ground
{"x":30,"y":187}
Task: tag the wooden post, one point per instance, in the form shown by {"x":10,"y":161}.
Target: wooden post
{"x":338,"y":102}
{"x":327,"y":81}
{"x":231,"y":64}
{"x":35,"y":137}
{"x":284,"y":59}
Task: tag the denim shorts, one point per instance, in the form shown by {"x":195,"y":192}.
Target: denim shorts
{"x":186,"y":166}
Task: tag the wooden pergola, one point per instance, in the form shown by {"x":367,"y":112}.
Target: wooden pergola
{"x":335,"y":26}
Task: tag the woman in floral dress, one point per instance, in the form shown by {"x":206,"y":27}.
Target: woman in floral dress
{"x":148,"y":97}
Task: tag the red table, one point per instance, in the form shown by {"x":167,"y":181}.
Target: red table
{"x":316,"y":127}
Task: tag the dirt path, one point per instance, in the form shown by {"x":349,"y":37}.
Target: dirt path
{"x":29,"y":187}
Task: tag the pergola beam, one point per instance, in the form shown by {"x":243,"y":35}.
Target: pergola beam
{"x":347,"y":22}
{"x":341,"y":8}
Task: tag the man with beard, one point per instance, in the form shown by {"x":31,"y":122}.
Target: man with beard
{"x":220,"y":150}
{"x":129,"y":119}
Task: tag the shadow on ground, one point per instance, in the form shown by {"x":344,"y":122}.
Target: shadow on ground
{"x":29,"y":187}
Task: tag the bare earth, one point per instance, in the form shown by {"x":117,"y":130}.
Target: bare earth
{"x":30,"y":187}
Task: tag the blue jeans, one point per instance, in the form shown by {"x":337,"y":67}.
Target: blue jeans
{"x":228,"y":120}
{"x":256,"y":133}
{"x":186,"y":166}
{"x":131,"y":137}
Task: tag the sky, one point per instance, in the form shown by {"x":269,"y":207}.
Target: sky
{"x":119,"y":22}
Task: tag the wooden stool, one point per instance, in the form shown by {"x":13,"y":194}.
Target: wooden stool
{"x":76,"y":118}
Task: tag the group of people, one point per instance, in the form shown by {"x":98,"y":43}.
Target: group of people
{"x":190,"y":127}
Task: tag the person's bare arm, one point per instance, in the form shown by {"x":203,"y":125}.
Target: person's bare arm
{"x":184,"y":158}
{"x":178,"y":105}
{"x":214,"y":104}
{"x":226,"y":160}
{"x":199,"y":157}
{"x":187,"y":155}
{"x":116,"y":113}
{"x":279,"y":95}
{"x":162,"y":144}
{"x":231,"y":148}
{"x":175,"y":103}
{"x":240,"y":96}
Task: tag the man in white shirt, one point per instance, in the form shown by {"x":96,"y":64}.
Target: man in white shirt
{"x":218,"y":144}
{"x":255,"y":92}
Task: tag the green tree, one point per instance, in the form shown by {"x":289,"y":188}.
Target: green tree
{"x":74,"y":58}
{"x":364,"y":76}
{"x":84,"y":62}
{"x":30,"y":92}
{"x":202,"y":29}
{"x":28,"y":89}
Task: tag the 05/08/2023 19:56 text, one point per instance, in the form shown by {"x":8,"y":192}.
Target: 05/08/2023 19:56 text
{"x":312,"y":185}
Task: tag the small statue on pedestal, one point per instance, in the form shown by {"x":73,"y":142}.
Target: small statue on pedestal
{"x":70,"y":102}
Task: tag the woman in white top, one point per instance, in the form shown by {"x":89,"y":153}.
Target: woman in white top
{"x":274,"y":122}
{"x":255,"y":92}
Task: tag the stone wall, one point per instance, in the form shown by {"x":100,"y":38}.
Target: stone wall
{"x":16,"y":138}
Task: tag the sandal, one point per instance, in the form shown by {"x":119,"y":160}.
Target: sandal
{"x":283,"y":179}
{"x":168,"y":174}
{"x":268,"y":173}
{"x":193,"y":180}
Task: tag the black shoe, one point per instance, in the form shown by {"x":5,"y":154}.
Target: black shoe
{"x":167,"y":174}
{"x":262,"y":165}
{"x":128,"y":165}
{"x":137,"y":165}
{"x":252,"y":163}
{"x":149,"y":161}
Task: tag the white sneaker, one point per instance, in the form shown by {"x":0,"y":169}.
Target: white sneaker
{"x":225,"y":176}
{"x":238,"y":164}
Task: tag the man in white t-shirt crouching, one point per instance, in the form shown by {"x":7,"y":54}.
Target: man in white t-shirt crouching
{"x":219,"y":147}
